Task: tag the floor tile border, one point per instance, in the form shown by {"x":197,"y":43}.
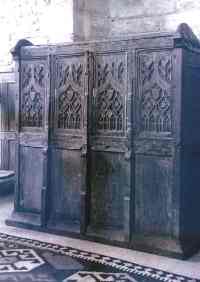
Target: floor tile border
{"x":118,"y":264}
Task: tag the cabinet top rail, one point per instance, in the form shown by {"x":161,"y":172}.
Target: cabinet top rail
{"x":183,"y":37}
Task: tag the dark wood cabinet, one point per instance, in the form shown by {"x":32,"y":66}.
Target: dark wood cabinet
{"x":109,"y":140}
{"x":7,"y":121}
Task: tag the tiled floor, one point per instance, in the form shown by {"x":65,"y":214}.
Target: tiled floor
{"x":189,"y":267}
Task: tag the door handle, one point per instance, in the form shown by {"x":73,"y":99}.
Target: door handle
{"x":84,"y":151}
{"x":127,"y":155}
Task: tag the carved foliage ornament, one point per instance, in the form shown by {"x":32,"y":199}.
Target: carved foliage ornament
{"x":155,"y":100}
{"x":69,"y":83}
{"x":33,"y":91}
{"x":109,"y":101}
{"x":110,"y":108}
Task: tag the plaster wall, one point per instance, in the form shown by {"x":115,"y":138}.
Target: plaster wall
{"x":53,"y":21}
{"x":40,"y":21}
{"x":107,"y":18}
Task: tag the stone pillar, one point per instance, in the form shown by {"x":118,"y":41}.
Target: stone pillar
{"x":91,"y":19}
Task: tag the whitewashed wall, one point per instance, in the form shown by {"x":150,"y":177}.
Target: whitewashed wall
{"x":40,"y":21}
{"x":52,"y":21}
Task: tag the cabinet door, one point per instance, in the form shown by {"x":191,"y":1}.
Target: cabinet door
{"x":108,"y":145}
{"x":154,"y":157}
{"x":33,"y":134}
{"x":33,"y":131}
{"x":68,"y":142}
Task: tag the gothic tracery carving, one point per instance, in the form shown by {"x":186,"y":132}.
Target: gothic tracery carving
{"x":111,"y":80}
{"x":147,"y":69}
{"x":69,"y":72}
{"x":155,"y":100}
{"x":70,"y":86}
{"x":165,"y":69}
{"x":110,"y":107}
{"x":32,"y":99}
{"x":69,"y":105}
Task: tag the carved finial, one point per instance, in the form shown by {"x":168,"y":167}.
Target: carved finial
{"x":190,"y":39}
{"x":21,"y":43}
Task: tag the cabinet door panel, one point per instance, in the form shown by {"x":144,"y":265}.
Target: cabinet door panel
{"x":33,"y":134}
{"x":68,"y":141}
{"x":108,"y":144}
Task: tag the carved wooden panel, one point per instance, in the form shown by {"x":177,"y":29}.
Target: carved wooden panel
{"x":33,"y":87}
{"x":109,"y":94}
{"x":106,"y":162}
{"x":68,"y":141}
{"x":69,"y":91}
{"x":155,"y":76}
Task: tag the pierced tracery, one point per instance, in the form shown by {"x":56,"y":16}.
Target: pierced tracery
{"x":110,"y":110}
{"x":155,"y":100}
{"x":33,"y":91}
{"x":109,"y":101}
{"x":69,"y":109}
{"x":69,"y":81}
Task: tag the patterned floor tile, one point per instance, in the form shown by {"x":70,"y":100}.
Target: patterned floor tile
{"x":26,"y":260}
{"x":99,"y":277}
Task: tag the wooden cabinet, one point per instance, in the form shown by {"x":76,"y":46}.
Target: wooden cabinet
{"x":108,"y":141}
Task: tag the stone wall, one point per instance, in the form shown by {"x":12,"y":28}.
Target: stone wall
{"x":40,"y":21}
{"x":106,"y":18}
{"x":52,"y":21}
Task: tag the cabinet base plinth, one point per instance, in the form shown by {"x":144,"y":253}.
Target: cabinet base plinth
{"x":25,"y":220}
{"x":164,"y":246}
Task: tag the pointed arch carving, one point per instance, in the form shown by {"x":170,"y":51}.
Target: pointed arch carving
{"x":111,"y":79}
{"x":155,"y":76}
{"x":69,"y":88}
{"x":32,"y":93}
